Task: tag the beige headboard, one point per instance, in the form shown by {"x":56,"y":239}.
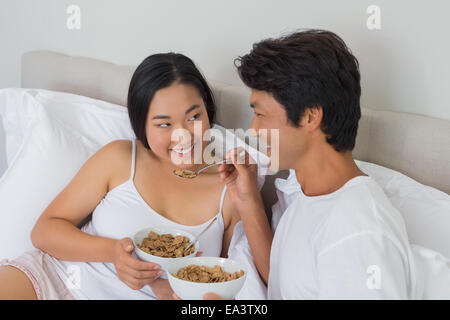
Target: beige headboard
{"x":417,"y":146}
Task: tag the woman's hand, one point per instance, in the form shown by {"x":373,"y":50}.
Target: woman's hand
{"x":133,"y":272}
{"x":241,"y":179}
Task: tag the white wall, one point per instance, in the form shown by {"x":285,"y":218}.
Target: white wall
{"x":404,"y":65}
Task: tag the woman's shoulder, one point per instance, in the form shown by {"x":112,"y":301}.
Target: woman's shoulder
{"x":121,"y":146}
{"x":117,"y":151}
{"x":117,"y":156}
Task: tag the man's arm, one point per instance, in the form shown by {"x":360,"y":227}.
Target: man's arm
{"x":259,"y":235}
{"x":241,"y":180}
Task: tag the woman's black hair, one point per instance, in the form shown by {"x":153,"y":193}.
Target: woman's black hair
{"x":159,"y":71}
{"x":309,"y":69}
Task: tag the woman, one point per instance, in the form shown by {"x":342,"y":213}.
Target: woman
{"x":129,"y":185}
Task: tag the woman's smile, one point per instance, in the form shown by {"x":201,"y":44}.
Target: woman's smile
{"x":183,"y":151}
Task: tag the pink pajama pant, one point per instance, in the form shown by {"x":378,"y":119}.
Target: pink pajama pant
{"x":37,"y":266}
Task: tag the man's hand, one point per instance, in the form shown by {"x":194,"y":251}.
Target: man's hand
{"x":241,"y":179}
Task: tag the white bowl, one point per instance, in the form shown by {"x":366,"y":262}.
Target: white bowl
{"x":163,"y":262}
{"x":188,"y":290}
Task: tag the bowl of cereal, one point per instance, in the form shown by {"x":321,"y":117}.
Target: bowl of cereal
{"x":163,"y":245}
{"x":191,"y":278}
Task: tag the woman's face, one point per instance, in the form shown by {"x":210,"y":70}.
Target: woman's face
{"x":170,"y":125}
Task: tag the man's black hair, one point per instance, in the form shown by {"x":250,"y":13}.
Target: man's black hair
{"x":309,"y":69}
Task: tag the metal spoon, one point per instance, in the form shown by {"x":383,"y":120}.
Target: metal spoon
{"x":203,"y":231}
{"x":190,"y":174}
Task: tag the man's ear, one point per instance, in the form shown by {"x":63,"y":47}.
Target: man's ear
{"x":312,"y":118}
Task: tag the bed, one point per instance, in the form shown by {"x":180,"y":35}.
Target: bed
{"x":416,"y":146}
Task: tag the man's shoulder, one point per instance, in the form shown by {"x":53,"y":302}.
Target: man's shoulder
{"x":362,"y":209}
{"x":362,"y":200}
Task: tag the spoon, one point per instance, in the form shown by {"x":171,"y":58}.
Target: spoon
{"x":203,"y":231}
{"x":190,"y":174}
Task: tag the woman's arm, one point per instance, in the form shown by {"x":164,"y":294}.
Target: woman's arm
{"x":259,"y":235}
{"x":56,"y":230}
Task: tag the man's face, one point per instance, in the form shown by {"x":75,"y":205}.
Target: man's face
{"x":269,"y":114}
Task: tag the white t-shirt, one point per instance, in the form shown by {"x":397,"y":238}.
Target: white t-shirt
{"x":349,"y":244}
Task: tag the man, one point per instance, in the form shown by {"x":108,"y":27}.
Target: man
{"x":341,"y":238}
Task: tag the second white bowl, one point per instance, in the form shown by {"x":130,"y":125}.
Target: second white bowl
{"x":188,"y":290}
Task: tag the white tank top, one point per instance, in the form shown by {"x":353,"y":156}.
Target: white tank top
{"x":120,"y":214}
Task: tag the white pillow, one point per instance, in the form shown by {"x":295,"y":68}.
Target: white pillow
{"x":95,"y":119}
{"x":49,"y":158}
{"x":426,"y":210}
{"x":16,"y":122}
{"x":57,"y":139}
